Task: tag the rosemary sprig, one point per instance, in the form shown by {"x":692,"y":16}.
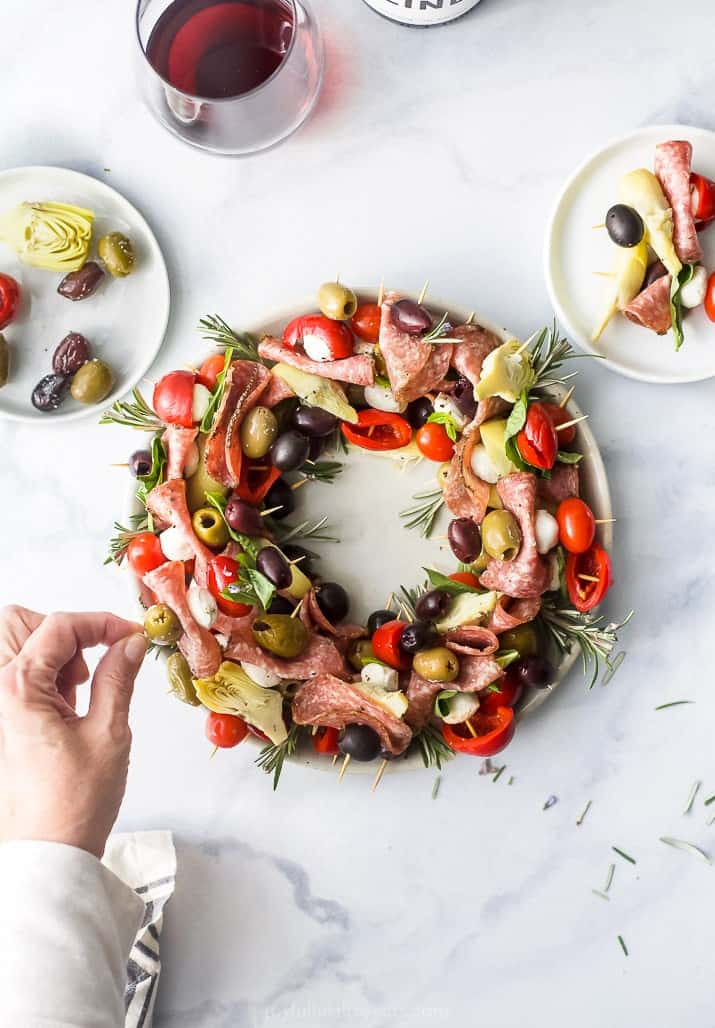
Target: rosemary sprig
{"x":272,"y":757}
{"x":433,"y":749}
{"x":673,"y":703}
{"x":215,"y":330}
{"x":407,"y":600}
{"x":217,"y":394}
{"x":548,"y":354}
{"x":435,"y":334}
{"x":322,"y":471}
{"x":567,"y":627}
{"x":136,"y":414}
{"x":123,"y":536}
{"x":336,"y":443}
{"x":305,"y":530}
{"x":424,"y":511}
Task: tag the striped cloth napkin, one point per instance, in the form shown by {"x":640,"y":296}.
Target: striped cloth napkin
{"x":146,"y":862}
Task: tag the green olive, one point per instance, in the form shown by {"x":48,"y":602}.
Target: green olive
{"x":360,"y":653}
{"x":93,"y":382}
{"x":380,"y":366}
{"x":117,"y":253}
{"x":162,"y":626}
{"x":210,"y":527}
{"x":180,"y":680}
{"x":281,"y":634}
{"x":436,"y":665}
{"x":523,"y":638}
{"x":4,"y":361}
{"x":201,"y":482}
{"x":258,"y":431}
{"x":501,"y":535}
{"x":480,"y":564}
{"x":337,"y":301}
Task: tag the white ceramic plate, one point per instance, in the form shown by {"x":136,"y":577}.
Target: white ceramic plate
{"x":125,"y":320}
{"x":574,"y":250}
{"x":376,"y":554}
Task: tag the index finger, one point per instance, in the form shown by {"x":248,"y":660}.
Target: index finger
{"x":61,"y":636}
{"x":16,"y":625}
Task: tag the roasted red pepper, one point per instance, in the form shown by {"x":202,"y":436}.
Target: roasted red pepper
{"x":504,"y":693}
{"x":256,"y":478}
{"x":386,"y":645}
{"x":378,"y":430}
{"x":558,"y":416}
{"x":588,"y":577}
{"x":490,"y":733}
{"x":703,"y":194}
{"x":537,"y":442}
{"x":325,"y":741}
{"x":321,"y":338}
{"x":223,"y":571}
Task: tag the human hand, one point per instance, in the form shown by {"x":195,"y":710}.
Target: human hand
{"x":63,"y":775}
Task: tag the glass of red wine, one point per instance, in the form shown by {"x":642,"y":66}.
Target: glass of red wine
{"x":229,"y":76}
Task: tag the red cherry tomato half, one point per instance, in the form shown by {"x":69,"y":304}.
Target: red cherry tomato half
{"x":210,"y":370}
{"x":9,"y":299}
{"x":144,"y":553}
{"x":222,"y":572}
{"x":378,"y":430}
{"x":588,"y":577}
{"x":710,"y":298}
{"x":577,"y":525}
{"x":434,"y":443}
{"x":255,"y":479}
{"x":703,"y":194}
{"x":537,"y":442}
{"x":321,"y":338}
{"x":386,"y":645}
{"x":465,"y":578}
{"x":558,"y":416}
{"x":174,"y":398}
{"x":325,"y":740}
{"x":493,"y":732}
{"x":366,"y":322}
{"x":225,"y":730}
{"x":504,"y":693}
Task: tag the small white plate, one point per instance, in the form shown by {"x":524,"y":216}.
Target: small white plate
{"x":574,"y":250}
{"x":125,"y":320}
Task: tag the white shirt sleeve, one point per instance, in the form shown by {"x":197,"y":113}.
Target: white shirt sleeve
{"x":68,"y":925}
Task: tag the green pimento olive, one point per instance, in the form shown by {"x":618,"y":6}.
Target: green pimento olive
{"x":523,"y":638}
{"x":480,"y":563}
{"x":4,"y":361}
{"x":360,"y":653}
{"x":117,"y":252}
{"x":180,"y":680}
{"x":258,"y":432}
{"x":501,"y":535}
{"x":337,"y":301}
{"x":93,"y":382}
{"x":436,"y":665}
{"x":162,"y":626}
{"x":281,"y":634}
{"x":210,"y":527}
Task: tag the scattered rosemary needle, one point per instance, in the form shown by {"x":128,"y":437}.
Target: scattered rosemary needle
{"x":550,"y":802}
{"x":423,"y":512}
{"x":609,"y":877}
{"x":691,"y":797}
{"x":625,"y":856}
{"x":597,"y":892}
{"x":673,"y":703}
{"x":623,"y":945}
{"x":709,"y":800}
{"x":498,"y":773}
{"x":511,"y":780}
{"x":582,"y":815}
{"x":689,"y":847}
{"x":435,"y":787}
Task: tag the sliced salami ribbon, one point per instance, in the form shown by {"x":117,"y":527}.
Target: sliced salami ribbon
{"x":475,"y":673}
{"x":510,"y":613}
{"x":312,"y":616}
{"x":672,"y":168}
{"x":357,"y":370}
{"x":472,"y":640}
{"x":465,"y":495}
{"x":177,"y":444}
{"x":275,"y":392}
{"x":413,"y":366}
{"x":167,"y":503}
{"x":562,"y":484}
{"x":528,"y":574}
{"x":651,"y":308}
{"x":421,"y":695}
{"x":245,"y":382}
{"x":321,"y":655}
{"x":202,"y":651}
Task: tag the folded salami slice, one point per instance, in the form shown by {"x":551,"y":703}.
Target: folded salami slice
{"x":202,"y":652}
{"x":472,"y":640}
{"x":476,"y":673}
{"x":357,"y":370}
{"x":421,"y":695}
{"x":177,"y":444}
{"x":168,"y":504}
{"x":510,"y":613}
{"x":672,"y":168}
{"x":562,"y":484}
{"x":468,"y":355}
{"x":312,"y":616}
{"x":413,"y":366}
{"x":321,"y":655}
{"x":651,"y":308}
{"x":465,"y":495}
{"x":329,"y":701}
{"x":245,"y":382}
{"x":528,"y":574}
{"x":276,"y":391}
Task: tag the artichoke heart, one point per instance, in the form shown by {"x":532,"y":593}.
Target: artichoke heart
{"x":506,"y":372}
{"x":231,"y":691}
{"x":53,"y":236}
{"x":641,"y":190}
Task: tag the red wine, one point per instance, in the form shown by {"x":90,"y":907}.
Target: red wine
{"x":217,"y":50}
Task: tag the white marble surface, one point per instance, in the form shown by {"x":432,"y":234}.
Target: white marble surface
{"x":432,"y":154}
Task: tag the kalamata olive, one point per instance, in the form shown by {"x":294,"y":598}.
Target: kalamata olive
{"x":140,"y":463}
{"x":360,"y":742}
{"x":117,"y":252}
{"x":464,"y":539}
{"x":432,"y":605}
{"x":290,"y":451}
{"x":280,"y":605}
{"x":624,"y":225}
{"x":377,"y":619}
{"x":411,"y":317}
{"x":316,"y":449}
{"x":78,"y":285}
{"x":535,"y":671}
{"x":50,"y":391}
{"x":418,"y":411}
{"x":71,"y":354}
{"x":655,"y":271}
{"x":300,"y":556}
{"x":271,"y":563}
{"x":244,"y":518}
{"x":280,"y":499}
{"x":93,"y":382}
{"x":333,"y":601}
{"x":314,"y":421}
{"x":417,"y":636}
{"x":463,"y":396}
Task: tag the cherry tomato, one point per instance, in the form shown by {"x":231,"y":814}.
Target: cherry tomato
{"x":537,"y":442}
{"x":558,"y":416}
{"x":588,"y":577}
{"x":465,"y":578}
{"x":225,"y":730}
{"x":325,"y":740}
{"x":255,"y":479}
{"x":494,"y":731}
{"x":321,"y":338}
{"x":144,"y":553}
{"x":174,"y":398}
{"x":9,"y":299}
{"x":378,"y":430}
{"x":577,"y":525}
{"x":258,"y":733}
{"x":710,"y":298}
{"x":366,"y":322}
{"x":703,"y":195}
{"x":434,"y":443}
{"x":222,"y":572}
{"x":210,"y":370}
{"x":504,"y":693}
{"x":386,"y":645}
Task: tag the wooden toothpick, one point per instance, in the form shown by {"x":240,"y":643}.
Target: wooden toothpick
{"x":604,"y":521}
{"x":344,"y":768}
{"x":470,"y":726}
{"x":567,"y":397}
{"x":423,"y":292}
{"x":381,"y":292}
{"x":378,"y":776}
{"x":574,"y":421}
{"x":470,"y":318}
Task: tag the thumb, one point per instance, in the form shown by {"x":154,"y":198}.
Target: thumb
{"x":113,"y":682}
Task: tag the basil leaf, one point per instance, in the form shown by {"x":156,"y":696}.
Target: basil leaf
{"x":441,"y":703}
{"x":517,"y":418}
{"x":676,"y":307}
{"x":512,"y":452}
{"x":153,"y":479}
{"x":262,"y":586}
{"x":440,"y":417}
{"x":236,"y":594}
{"x":504,"y":658}
{"x":217,"y":394}
{"x":440,"y":581}
{"x":566,"y":457}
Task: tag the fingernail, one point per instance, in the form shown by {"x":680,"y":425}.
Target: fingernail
{"x":135,"y":648}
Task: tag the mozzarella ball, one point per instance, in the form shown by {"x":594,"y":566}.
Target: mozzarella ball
{"x":546,"y":529}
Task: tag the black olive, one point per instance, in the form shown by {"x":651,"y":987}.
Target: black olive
{"x":411,"y":317}
{"x":377,"y":619}
{"x":280,"y":605}
{"x":314,"y":421}
{"x":78,"y":285}
{"x":300,"y":556}
{"x":359,"y":741}
{"x":417,"y":636}
{"x":333,"y":601}
{"x":655,"y":271}
{"x":71,"y":354}
{"x":242,"y":517}
{"x":140,"y":463}
{"x":432,"y":605}
{"x":624,"y":225}
{"x":463,"y":396}
{"x":289,"y":451}
{"x":271,"y":563}
{"x":280,"y":495}
{"x":316,"y":448}
{"x":465,"y":539}
{"x":536,"y":672}
{"x":50,"y":391}
{"x":418,"y":411}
